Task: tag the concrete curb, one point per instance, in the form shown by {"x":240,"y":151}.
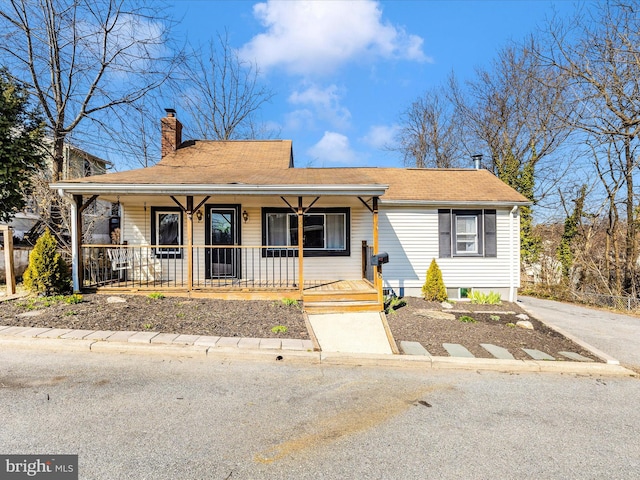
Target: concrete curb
{"x":225,"y":352}
{"x":593,"y":350}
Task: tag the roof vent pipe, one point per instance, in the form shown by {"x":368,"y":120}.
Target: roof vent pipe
{"x":477,"y":158}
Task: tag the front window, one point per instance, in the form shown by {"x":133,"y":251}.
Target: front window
{"x":167,"y":230}
{"x":325,"y":231}
{"x":466,"y":234}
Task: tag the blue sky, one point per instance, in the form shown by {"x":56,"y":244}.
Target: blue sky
{"x":342,"y":72}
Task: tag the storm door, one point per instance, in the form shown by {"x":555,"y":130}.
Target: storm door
{"x":223,"y":234}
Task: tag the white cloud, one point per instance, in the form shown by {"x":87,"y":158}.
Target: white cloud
{"x":316,"y":37}
{"x":325,"y":103}
{"x":381,"y":136}
{"x":331,"y":149}
{"x":302,"y":119}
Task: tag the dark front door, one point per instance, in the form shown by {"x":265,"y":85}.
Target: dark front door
{"x":222,"y":234}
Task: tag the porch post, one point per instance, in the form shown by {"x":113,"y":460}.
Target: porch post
{"x":377,"y":276}
{"x":300,"y":246}
{"x":189,"y":243}
{"x":8,"y":259}
{"x":76,"y":243}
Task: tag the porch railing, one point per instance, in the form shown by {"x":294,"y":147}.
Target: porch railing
{"x":166,"y":266}
{"x":367,"y":268}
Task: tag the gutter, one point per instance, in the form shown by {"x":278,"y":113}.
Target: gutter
{"x":448,"y":204}
{"x":222,"y":189}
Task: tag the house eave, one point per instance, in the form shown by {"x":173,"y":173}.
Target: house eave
{"x":223,"y":189}
{"x":453,"y":203}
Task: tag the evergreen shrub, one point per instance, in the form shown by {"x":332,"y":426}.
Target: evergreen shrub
{"x":47,"y":273}
{"x":433,"y":288}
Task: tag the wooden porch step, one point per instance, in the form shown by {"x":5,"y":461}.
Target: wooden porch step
{"x":341,"y":296}
{"x":342,"y":306}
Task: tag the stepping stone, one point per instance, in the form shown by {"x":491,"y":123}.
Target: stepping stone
{"x":435,"y":314}
{"x":116,"y":300}
{"x":457,"y":350}
{"x":576,"y":356}
{"x":413,"y":348}
{"x":30,"y":313}
{"x":498,"y":352}
{"x":537,"y":354}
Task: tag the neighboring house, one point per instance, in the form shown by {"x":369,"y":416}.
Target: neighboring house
{"x":220,"y":218}
{"x":77,"y":164}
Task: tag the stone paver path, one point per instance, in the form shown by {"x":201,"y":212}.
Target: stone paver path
{"x":459,"y":351}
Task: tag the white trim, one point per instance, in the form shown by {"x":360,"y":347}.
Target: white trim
{"x":75,"y":270}
{"x":511,"y":254}
{"x":446,"y":204}
{"x":206,"y":189}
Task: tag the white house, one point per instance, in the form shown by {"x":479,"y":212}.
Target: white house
{"x":224,"y":218}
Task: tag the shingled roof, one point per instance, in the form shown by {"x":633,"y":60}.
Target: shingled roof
{"x":268,"y":164}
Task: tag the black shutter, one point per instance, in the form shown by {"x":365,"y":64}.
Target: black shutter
{"x":444,"y":232}
{"x":490,"y":246}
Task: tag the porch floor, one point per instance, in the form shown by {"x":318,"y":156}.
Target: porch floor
{"x":229,"y":288}
{"x":338,"y":286}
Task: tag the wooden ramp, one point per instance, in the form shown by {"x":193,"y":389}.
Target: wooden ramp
{"x":340,"y":296}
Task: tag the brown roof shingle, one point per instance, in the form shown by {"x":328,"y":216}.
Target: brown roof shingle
{"x":268,"y":163}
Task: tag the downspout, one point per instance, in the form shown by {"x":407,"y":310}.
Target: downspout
{"x":514,"y":210}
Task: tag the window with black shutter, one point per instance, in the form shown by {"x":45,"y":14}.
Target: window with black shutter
{"x":467,"y":233}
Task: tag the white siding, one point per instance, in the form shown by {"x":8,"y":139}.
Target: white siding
{"x":410,"y":236}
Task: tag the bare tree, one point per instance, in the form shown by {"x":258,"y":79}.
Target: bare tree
{"x":84,"y":59}
{"x":600,"y":55}
{"x":222,"y":94}
{"x":516,"y":110}
{"x":429,"y":134}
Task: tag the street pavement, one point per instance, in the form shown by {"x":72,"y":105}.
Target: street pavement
{"x":168,"y":417}
{"x":613,"y":333}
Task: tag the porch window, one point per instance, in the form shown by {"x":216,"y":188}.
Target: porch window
{"x":326,"y":231}
{"x":166,"y":229}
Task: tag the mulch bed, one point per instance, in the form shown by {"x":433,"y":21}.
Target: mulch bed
{"x":410,"y":323}
{"x":253,"y":318}
{"x":225,"y":318}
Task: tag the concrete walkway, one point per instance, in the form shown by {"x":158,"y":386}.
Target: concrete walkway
{"x":615,"y":334}
{"x":361,"y":332}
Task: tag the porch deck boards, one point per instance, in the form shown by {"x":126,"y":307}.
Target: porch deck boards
{"x":338,"y":286}
{"x":233,"y":288}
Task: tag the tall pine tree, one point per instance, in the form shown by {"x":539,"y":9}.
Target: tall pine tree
{"x":21,"y":152}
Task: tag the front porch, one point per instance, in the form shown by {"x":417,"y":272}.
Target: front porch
{"x":234,"y":272}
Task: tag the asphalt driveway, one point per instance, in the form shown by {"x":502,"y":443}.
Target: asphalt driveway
{"x":613,"y":333}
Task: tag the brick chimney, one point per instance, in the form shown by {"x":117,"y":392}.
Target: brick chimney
{"x":171,"y":130}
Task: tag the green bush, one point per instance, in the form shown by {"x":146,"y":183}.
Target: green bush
{"x":433,"y":288}
{"x":290,"y":302}
{"x":73,"y":299}
{"x":47,"y":273}
{"x":391,"y":304}
{"x":467,"y":319}
{"x":491,"y":298}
